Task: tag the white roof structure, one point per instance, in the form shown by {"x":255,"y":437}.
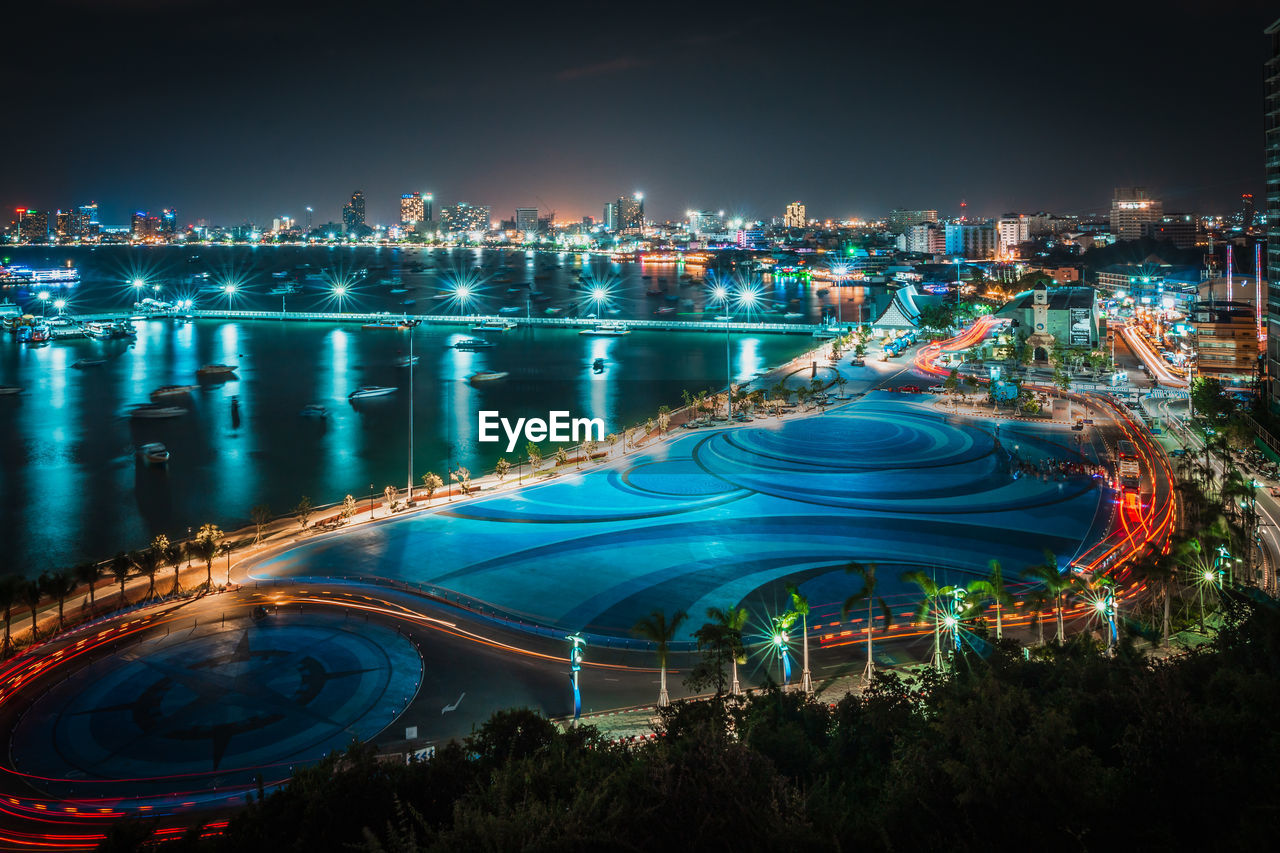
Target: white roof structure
{"x":902,"y":313}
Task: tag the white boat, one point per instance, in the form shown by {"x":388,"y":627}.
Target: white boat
{"x":152,"y":411}
{"x":510,"y":309}
{"x":168,"y":392}
{"x":792,"y":315}
{"x":472,"y":343}
{"x":154,"y":453}
{"x":283,"y":290}
{"x":217,"y":371}
{"x":384,"y":324}
{"x":314,"y":410}
{"x":88,"y":362}
{"x":494,"y":326}
{"x":607,"y":329}
{"x":366,"y":391}
{"x":489,"y":375}
{"x":280,"y":274}
{"x":406,"y":361}
{"x":10,"y":390}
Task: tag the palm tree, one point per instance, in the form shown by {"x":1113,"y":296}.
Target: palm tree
{"x":1160,"y":571}
{"x":1037,"y":600}
{"x":87,"y":573}
{"x":800,"y":605}
{"x":120,"y":568}
{"x":723,"y":634}
{"x":930,"y":606}
{"x":10,"y":592}
{"x":147,"y":561}
{"x":657,"y":629}
{"x":868,"y":591}
{"x":58,"y":585}
{"x":205,"y":547}
{"x":1056,"y":583}
{"x":991,"y":588}
{"x":173,"y":557}
{"x":31,"y":597}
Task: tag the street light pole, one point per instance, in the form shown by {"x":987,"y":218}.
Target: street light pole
{"x":413,"y":325}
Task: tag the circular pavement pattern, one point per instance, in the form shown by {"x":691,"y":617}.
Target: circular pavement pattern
{"x":213,"y":704}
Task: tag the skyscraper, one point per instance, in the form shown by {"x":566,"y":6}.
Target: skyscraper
{"x":1271,"y":157}
{"x":353,"y":212}
{"x":900,"y":219}
{"x":138,"y":227}
{"x":611,"y":216}
{"x":33,"y":225}
{"x":527,"y":219}
{"x":464,"y":218}
{"x":795,"y":216}
{"x":428,"y":207}
{"x":630,"y":212}
{"x":168,"y":222}
{"x":704,"y":222}
{"x":411,"y":209}
{"x":1131,"y":209}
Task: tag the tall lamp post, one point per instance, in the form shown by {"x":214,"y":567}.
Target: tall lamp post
{"x":721,"y":295}
{"x":43,"y":296}
{"x":412,"y":324}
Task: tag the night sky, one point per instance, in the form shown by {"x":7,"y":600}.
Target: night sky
{"x":235,"y":111}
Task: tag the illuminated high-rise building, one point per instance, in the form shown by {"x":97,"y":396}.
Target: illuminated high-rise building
{"x":411,"y":209}
{"x":1271,"y":158}
{"x":705,"y":222}
{"x":630,"y":212}
{"x":611,"y":216}
{"x":168,"y":223}
{"x":138,"y":227}
{"x":353,"y":212}
{"x":33,"y":225}
{"x":527,"y":219}
{"x":464,"y":218}
{"x":900,"y":219}
{"x":1131,"y":209}
{"x":89,"y":225}
{"x":795,"y":216}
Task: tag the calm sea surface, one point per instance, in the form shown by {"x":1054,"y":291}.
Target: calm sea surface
{"x":72,"y":486}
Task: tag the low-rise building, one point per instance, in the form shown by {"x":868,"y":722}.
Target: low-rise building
{"x":1226,"y":341}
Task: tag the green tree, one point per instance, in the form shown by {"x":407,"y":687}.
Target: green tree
{"x":88,"y":573}
{"x":800,"y":606}
{"x":992,"y":589}
{"x":147,"y":561}
{"x":302,"y":511}
{"x":562,"y":457}
{"x":659,"y":630}
{"x":261,"y":517}
{"x":503,"y":468}
{"x":867,"y":593}
{"x":206,"y":548}
{"x":931,"y":607}
{"x":431,"y":482}
{"x":121,"y":567}
{"x":349,"y":508}
{"x":535,"y":456}
{"x":720,"y":642}
{"x":1056,"y":583}
{"x":58,"y":586}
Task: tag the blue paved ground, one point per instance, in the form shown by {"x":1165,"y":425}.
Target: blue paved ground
{"x":717,"y":518}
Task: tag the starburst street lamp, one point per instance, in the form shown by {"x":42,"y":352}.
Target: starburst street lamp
{"x":340,"y":294}
{"x":43,"y":296}
{"x":599,"y":294}
{"x":230,"y":290}
{"x":59,"y":304}
{"x":746,"y":297}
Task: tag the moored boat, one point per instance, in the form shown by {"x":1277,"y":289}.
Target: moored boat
{"x":10,"y":390}
{"x":154,"y":453}
{"x":217,"y":371}
{"x":472,"y":343}
{"x":494,"y":326}
{"x":151,"y":411}
{"x":168,"y":392}
{"x":489,"y":375}
{"x":314,"y":410}
{"x":607,"y":329}
{"x":366,"y":391}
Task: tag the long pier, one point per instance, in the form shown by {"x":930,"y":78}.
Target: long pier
{"x":472,"y":320}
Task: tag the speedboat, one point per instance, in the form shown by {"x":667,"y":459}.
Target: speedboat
{"x":154,"y":453}
{"x":366,"y":391}
{"x":665,"y":309}
{"x":406,"y":360}
{"x":494,"y":326}
{"x":88,"y":362}
{"x":489,"y":375}
{"x":217,"y":371}
{"x":314,"y":410}
{"x":152,"y":411}
{"x":792,"y":315}
{"x":472,"y":343}
{"x":607,"y":329}
{"x":598,"y":365}
{"x":384,"y":324}
{"x":10,"y":390}
{"x":166,"y":392}
{"x":510,"y":309}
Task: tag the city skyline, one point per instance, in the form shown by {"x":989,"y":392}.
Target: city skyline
{"x":697,"y":111}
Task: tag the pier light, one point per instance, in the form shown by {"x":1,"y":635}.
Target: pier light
{"x":748,"y":298}
{"x":59,"y":304}
{"x":720,"y":292}
{"x":138,"y":284}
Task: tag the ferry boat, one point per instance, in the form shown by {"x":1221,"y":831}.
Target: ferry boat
{"x":366,"y":391}
{"x":217,"y":371}
{"x":151,"y":411}
{"x":489,"y":376}
{"x":109,"y":331}
{"x":472,"y":343}
{"x":494,"y":326}
{"x":607,"y":329}
{"x":39,"y":334}
{"x":168,"y":392}
{"x":384,"y":324}
{"x":154,"y":453}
